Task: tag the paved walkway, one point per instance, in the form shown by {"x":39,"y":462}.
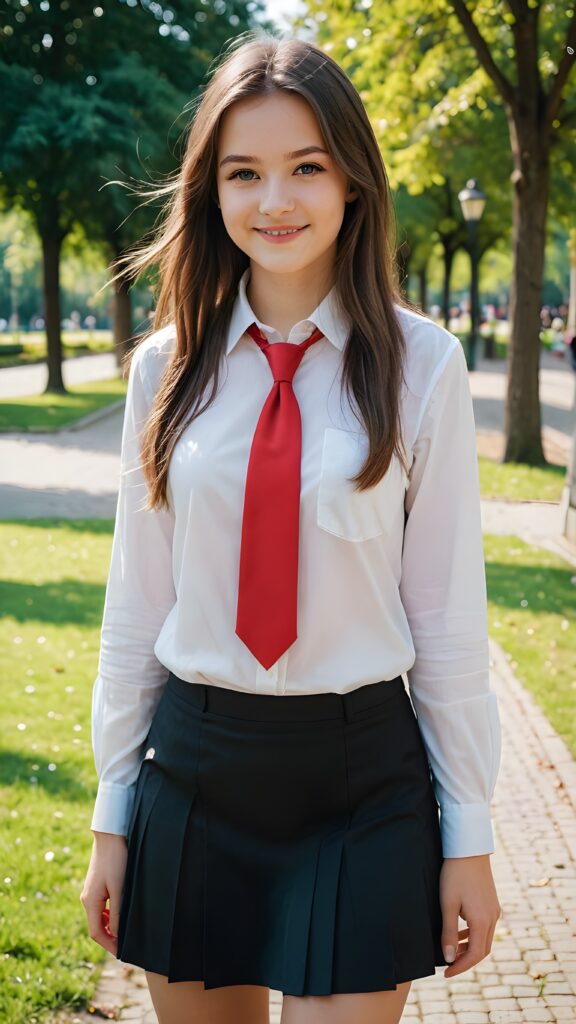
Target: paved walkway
{"x":530,"y":973}
{"x":17,"y":381}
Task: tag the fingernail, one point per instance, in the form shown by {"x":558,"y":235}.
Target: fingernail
{"x":449,"y":953}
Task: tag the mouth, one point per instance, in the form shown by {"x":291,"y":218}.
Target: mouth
{"x":287,"y":232}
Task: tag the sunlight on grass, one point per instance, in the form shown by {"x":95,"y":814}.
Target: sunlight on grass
{"x":513,"y":480}
{"x":48,"y":411}
{"x":53,"y":584}
{"x":532,"y":615}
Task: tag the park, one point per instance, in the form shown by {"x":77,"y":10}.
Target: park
{"x":474,"y":110}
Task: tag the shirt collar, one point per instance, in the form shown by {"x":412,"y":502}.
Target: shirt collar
{"x":327,"y":316}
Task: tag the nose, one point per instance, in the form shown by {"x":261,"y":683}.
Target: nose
{"x":275,"y":198}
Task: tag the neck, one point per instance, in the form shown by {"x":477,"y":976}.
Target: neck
{"x":282,"y":300}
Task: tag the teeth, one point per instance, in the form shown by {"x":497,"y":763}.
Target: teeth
{"x":291,"y":231}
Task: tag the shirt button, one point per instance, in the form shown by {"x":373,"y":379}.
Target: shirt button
{"x":150,"y":752}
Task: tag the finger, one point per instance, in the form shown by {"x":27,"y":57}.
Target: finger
{"x":114,"y":914}
{"x":490,"y":938}
{"x":97,"y":919}
{"x":474,"y":951}
{"x":449,"y":938}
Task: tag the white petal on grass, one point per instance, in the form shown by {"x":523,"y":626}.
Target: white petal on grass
{"x":49,"y":855}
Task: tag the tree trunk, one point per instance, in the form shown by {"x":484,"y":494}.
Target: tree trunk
{"x":448,"y":258}
{"x":569,"y":530}
{"x":51,"y":249}
{"x":530,"y":202}
{"x":123,"y":338}
{"x":571,"y":325}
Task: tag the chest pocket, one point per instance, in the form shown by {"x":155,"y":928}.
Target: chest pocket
{"x":342,"y":510}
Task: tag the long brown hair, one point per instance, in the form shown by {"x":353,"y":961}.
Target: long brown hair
{"x":200,"y":266}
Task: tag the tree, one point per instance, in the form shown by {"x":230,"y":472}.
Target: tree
{"x":60,"y":112}
{"x":428,"y":67}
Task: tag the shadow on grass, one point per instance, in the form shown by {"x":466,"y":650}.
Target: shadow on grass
{"x":545,"y":588}
{"x":96,"y":526}
{"x":16,"y":769}
{"x":61,"y":603}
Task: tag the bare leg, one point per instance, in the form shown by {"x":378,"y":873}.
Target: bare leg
{"x":353,"y":1008}
{"x":188,"y":1002}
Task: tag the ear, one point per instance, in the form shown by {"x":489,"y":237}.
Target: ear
{"x":351,"y":194}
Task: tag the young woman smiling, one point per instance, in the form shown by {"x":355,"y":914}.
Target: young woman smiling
{"x":275,"y":808}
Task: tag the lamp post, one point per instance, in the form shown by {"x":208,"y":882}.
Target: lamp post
{"x":473,"y":201}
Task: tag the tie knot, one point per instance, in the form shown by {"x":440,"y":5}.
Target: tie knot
{"x":283,"y":356}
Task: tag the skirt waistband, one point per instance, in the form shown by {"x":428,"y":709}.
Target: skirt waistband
{"x":284,"y":707}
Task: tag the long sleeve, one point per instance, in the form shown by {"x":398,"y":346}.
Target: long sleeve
{"x":139,"y":594}
{"x":443,"y":590}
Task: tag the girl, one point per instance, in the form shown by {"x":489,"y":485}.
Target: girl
{"x":285,"y":548}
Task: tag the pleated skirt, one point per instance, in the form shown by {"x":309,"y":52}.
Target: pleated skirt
{"x":289,"y":841}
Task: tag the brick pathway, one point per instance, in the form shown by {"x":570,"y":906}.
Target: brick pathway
{"x":530,"y":973}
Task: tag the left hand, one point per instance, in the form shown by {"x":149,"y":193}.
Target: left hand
{"x":467,"y":890}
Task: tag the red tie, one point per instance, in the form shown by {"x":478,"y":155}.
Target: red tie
{"x":268,"y":583}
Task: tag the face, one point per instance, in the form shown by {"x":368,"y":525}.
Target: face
{"x":275,"y":175}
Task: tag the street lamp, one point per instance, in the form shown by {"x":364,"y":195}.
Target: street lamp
{"x":473,"y":201}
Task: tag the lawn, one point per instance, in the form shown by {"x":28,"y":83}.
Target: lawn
{"x":53,"y":581}
{"x":515,"y":481}
{"x":46,"y":412}
{"x":27,"y":347}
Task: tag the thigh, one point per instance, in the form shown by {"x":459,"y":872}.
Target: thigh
{"x":188,"y":1002}
{"x":360,"y":1007}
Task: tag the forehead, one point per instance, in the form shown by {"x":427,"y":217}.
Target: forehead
{"x":272,"y":119}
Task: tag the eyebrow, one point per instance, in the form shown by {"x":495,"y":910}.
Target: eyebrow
{"x":235,"y":158}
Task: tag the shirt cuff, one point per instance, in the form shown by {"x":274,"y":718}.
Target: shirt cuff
{"x":466,"y":830}
{"x":113,"y":808}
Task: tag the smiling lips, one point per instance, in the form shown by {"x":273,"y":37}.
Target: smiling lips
{"x":281,"y":234}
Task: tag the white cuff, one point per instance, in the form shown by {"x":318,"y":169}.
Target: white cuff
{"x":113,"y":808}
{"x":466,"y":830}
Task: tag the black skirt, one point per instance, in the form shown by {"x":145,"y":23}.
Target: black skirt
{"x":290,"y":841}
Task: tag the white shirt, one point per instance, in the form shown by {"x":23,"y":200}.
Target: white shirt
{"x":377,"y":596}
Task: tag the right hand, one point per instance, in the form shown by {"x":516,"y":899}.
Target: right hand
{"x":105,"y":881}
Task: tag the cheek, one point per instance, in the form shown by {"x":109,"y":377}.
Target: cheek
{"x":235,"y":206}
{"x":331,"y":207}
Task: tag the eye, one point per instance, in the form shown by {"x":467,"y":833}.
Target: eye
{"x":244,"y":170}
{"x":314,"y":167}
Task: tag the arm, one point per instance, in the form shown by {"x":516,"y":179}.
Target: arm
{"x":139,"y":594}
{"x":443,"y":590}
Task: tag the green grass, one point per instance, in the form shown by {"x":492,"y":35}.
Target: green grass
{"x":32,"y":345}
{"x":513,"y":480}
{"x":532,"y":615}
{"x":52,"y":593}
{"x":52,"y":590}
{"x":46,"y":412}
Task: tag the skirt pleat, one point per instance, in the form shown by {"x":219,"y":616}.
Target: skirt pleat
{"x":301,"y":855}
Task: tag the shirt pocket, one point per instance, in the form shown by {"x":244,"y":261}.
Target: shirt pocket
{"x":345,"y":512}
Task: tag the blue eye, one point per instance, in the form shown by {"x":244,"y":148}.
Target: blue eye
{"x":245,"y":170}
{"x":314,"y":168}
